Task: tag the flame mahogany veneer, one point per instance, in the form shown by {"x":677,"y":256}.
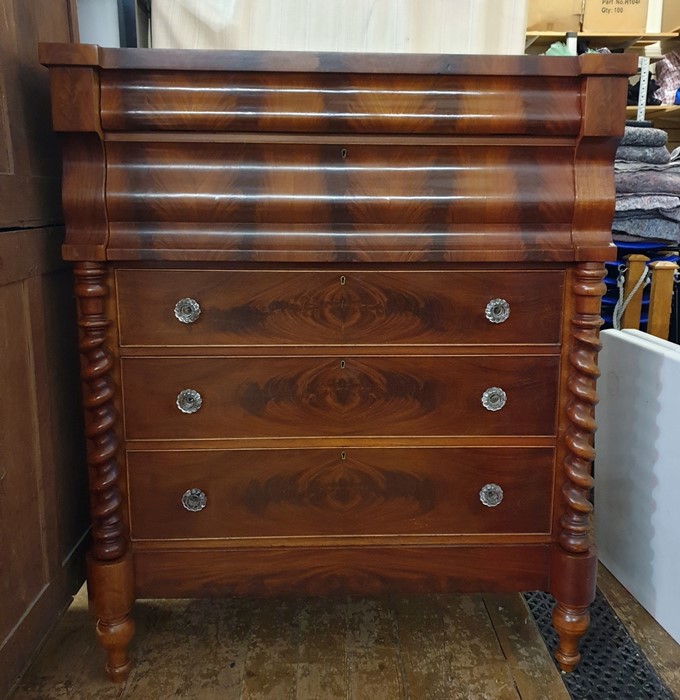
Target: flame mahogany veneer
{"x":343,"y":222}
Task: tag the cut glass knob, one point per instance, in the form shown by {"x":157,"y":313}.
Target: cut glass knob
{"x":494,"y":398}
{"x":189,"y":401}
{"x":491,"y":495}
{"x":194,"y":500}
{"x":187,"y":310}
{"x":497,"y":310}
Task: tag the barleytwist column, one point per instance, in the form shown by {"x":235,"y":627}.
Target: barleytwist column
{"x":110,"y":585}
{"x":575,"y":565}
{"x":575,"y":535}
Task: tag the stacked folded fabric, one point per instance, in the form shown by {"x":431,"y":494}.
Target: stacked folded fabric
{"x":647,"y":185}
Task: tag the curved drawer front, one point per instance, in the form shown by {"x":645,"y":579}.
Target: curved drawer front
{"x":270,"y":493}
{"x":314,"y":307}
{"x":322,"y":396}
{"x":341,"y":101}
{"x":347,"y":184}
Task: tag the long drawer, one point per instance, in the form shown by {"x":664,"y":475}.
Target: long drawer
{"x":314,"y":184}
{"x":317,"y":307}
{"x":269,"y":493}
{"x":229,"y":397}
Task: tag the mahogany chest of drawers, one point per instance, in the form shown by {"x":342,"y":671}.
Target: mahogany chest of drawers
{"x":338,"y":320}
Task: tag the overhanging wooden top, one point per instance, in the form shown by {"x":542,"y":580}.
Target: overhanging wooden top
{"x":331,"y":62}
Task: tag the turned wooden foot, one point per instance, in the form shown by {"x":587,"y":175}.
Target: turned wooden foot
{"x":111,"y":598}
{"x":115,"y":637}
{"x":571,"y":624}
{"x":572,"y":584}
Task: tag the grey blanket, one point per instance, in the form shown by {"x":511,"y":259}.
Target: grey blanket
{"x":644,"y":136}
{"x":635,"y":203}
{"x":665,"y":182}
{"x":673,"y":164}
{"x":648,"y":227}
{"x":644,"y":154}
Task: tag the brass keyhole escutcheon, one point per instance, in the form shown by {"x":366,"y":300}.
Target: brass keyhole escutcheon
{"x":342,"y":364}
{"x":343,"y":280}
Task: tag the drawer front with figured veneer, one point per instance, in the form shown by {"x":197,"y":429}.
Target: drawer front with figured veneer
{"x":312,"y":307}
{"x":246,"y":397}
{"x":330,"y":492}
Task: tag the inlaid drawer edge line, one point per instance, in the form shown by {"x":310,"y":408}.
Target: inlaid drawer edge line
{"x":337,"y":443}
{"x":550,"y":436}
{"x":297,"y":541}
{"x":496,"y":346}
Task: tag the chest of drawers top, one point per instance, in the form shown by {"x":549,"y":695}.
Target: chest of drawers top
{"x":266,"y":157}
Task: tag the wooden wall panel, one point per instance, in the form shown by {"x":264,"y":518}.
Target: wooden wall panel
{"x":22,"y":556}
{"x":407,"y":26}
{"x":5,"y":152}
{"x":43,"y":495}
{"x":42,"y":475}
{"x":30,"y":167}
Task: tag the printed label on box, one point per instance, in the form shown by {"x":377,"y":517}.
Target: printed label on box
{"x":625,"y":16}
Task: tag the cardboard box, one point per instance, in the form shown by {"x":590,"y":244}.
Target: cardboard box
{"x":671,"y":16}
{"x":619,"y":16}
{"x":554,"y":15}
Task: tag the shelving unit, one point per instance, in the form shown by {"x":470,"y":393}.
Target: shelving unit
{"x":539,"y":41}
{"x":656,"y":111}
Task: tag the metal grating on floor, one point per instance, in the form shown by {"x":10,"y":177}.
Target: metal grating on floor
{"x":613,"y":665}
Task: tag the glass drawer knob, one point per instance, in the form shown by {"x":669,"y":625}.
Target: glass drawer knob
{"x":194,"y":500}
{"x":189,"y":401}
{"x":494,"y":398}
{"x":187,"y":310}
{"x":490,"y":495}
{"x":497,"y":310}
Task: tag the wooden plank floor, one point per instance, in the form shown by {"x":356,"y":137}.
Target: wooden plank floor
{"x":400,"y":648}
